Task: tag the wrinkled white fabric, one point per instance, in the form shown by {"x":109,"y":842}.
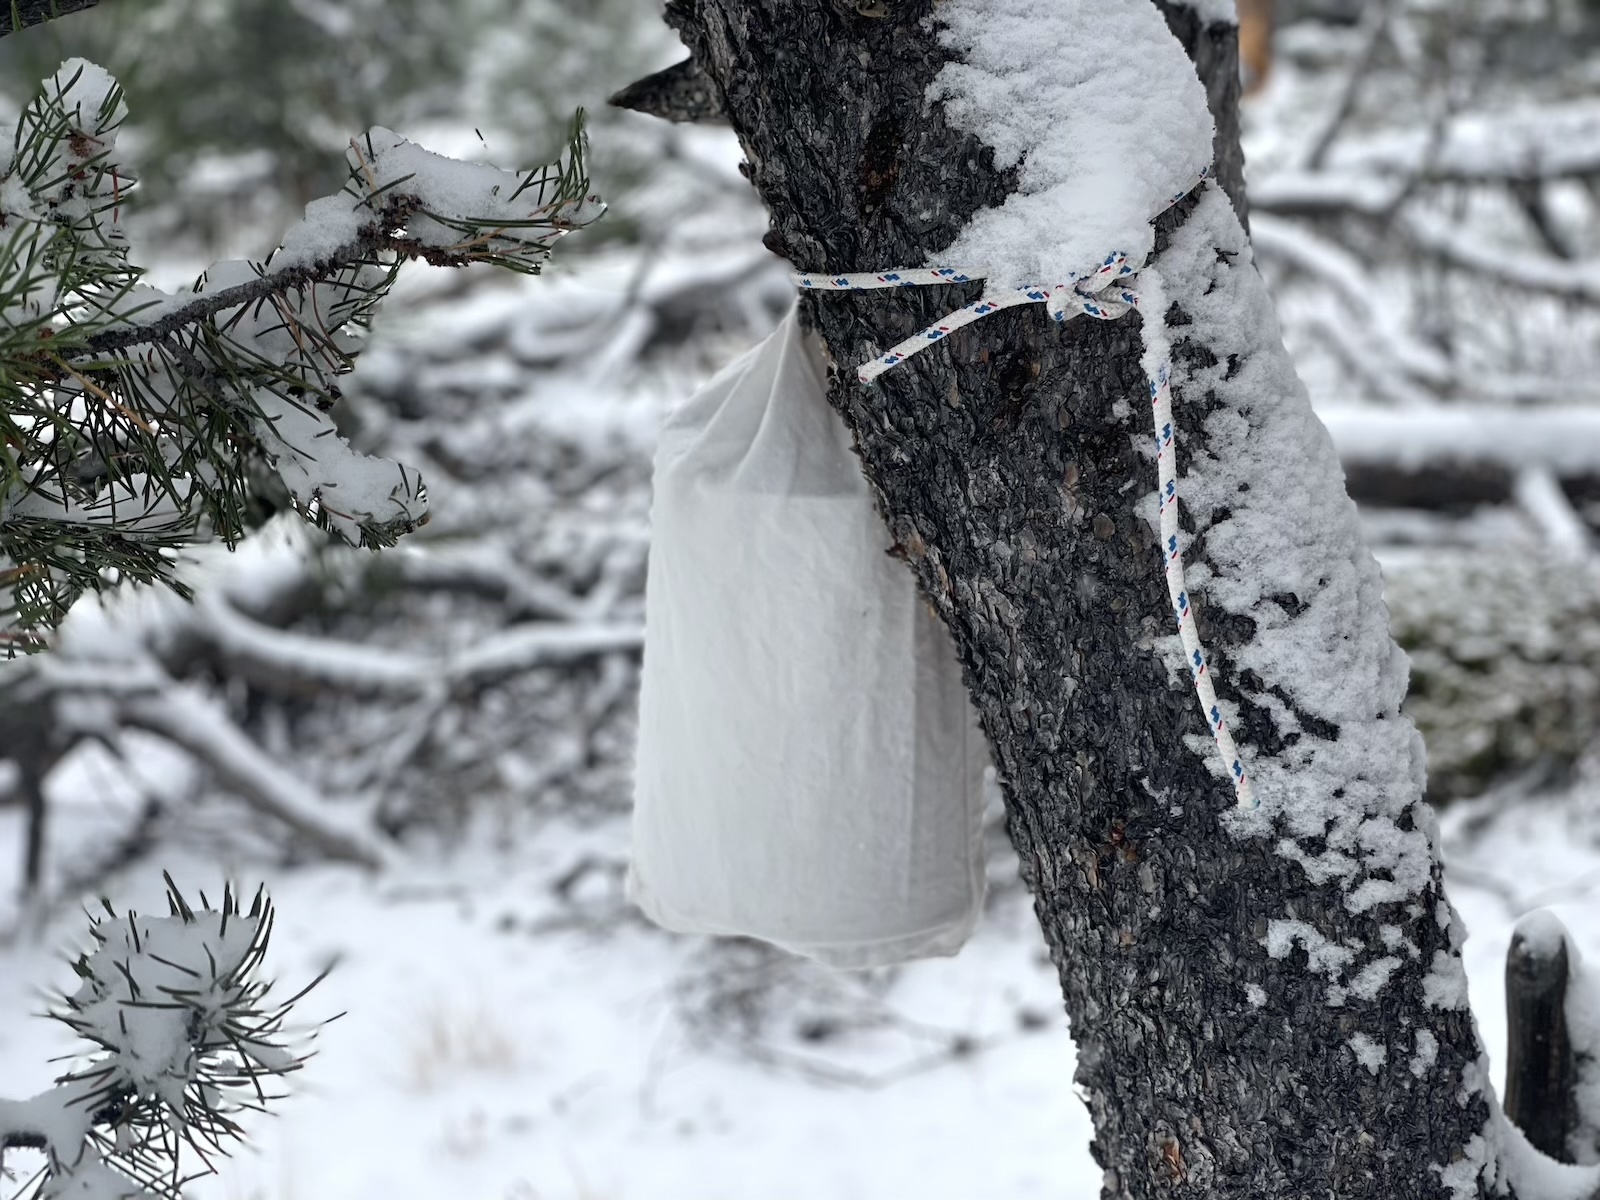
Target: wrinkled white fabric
{"x":809,"y":770}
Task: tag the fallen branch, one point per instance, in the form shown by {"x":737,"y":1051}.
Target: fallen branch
{"x":481,"y":569}
{"x":294,"y":662}
{"x":1553,"y":141}
{"x":1539,"y":495}
{"x":1304,"y":195}
{"x":1578,"y":282}
{"x":189,"y":719}
{"x":1562,"y":439}
{"x":1351,"y":281}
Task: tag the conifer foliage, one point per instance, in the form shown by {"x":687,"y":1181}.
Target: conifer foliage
{"x":185,"y":1038}
{"x":134,"y":421}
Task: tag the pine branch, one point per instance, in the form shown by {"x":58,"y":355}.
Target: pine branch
{"x":174,"y":317}
{"x":184,"y":1037}
{"x":136,"y":421}
{"x":27,"y":13}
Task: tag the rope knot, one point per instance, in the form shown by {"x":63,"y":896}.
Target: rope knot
{"x":1106,"y":293}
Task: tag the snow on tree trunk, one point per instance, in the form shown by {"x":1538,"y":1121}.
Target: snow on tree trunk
{"x":1266,"y":1004}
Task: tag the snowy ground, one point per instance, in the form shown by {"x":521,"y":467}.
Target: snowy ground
{"x":507,"y":1038}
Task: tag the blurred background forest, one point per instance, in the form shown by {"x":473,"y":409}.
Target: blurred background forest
{"x":1424,"y":179}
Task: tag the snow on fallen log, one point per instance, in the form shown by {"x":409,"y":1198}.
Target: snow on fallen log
{"x":286,"y":659}
{"x":1562,"y":439}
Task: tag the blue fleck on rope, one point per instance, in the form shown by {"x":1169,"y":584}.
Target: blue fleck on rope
{"x":1112,"y":289}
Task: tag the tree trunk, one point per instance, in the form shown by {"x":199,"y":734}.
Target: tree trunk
{"x":1214,"y":48}
{"x":1265,"y":1004}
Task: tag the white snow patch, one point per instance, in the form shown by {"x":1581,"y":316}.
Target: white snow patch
{"x":1370,"y":1054}
{"x":1394,"y":938}
{"x":1269,"y":497}
{"x":1475,"y":1079}
{"x":1097,"y":103}
{"x":1583,"y":1025}
{"x":1427,"y":1053}
{"x":1321,"y":954}
{"x":1330,"y":864}
{"x":88,"y":93}
{"x":1450,"y":920}
{"x":1256,"y":995}
{"x":1370,"y":980}
{"x":1542,"y":932}
{"x":1535,"y":1176}
{"x":1461,"y":1176}
{"x":1446,"y":983}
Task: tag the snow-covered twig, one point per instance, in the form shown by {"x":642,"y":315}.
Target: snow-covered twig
{"x":136,"y":693}
{"x":168,"y":402}
{"x":284,"y":656}
{"x":484,"y":568}
{"x":1539,"y":494}
{"x":1548,"y":141}
{"x":186,"y":1039}
{"x":524,"y":647}
{"x":1381,"y":375}
{"x":1308,"y":194}
{"x":1352,"y":283}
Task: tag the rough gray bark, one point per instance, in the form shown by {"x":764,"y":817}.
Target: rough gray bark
{"x":684,"y":93}
{"x":1213,"y":47}
{"x":1010,"y":485}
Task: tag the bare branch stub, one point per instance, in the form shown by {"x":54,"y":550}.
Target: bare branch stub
{"x":682,"y":93}
{"x":1541,"y":1070}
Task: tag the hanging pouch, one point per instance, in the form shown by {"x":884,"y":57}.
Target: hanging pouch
{"x":809,"y":768}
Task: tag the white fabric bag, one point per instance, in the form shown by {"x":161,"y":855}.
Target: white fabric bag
{"x":809,"y":771}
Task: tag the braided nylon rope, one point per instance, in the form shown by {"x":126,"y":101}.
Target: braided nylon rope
{"x":1106,"y":293}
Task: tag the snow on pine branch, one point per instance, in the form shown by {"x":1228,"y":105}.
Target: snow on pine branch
{"x":143,"y":420}
{"x":185,"y":1039}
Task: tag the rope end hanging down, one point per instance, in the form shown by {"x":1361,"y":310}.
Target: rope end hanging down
{"x":1106,"y":293}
